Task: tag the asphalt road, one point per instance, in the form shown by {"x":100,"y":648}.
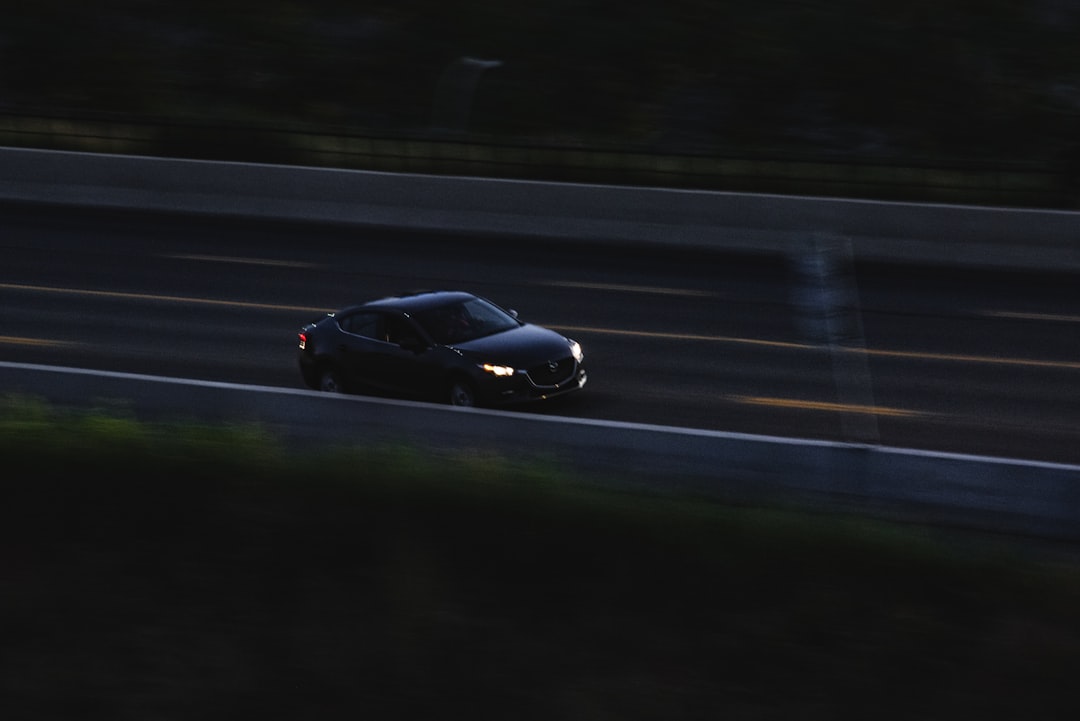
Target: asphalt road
{"x":964,"y":361}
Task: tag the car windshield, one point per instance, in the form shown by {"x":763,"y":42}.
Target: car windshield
{"x":463,"y":321}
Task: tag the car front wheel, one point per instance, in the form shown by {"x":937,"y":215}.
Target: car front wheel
{"x":462,"y":393}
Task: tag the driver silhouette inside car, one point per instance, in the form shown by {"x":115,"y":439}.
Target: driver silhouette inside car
{"x":455,"y":324}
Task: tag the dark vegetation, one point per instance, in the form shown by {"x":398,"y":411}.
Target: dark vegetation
{"x":992,"y":87}
{"x":181,"y":571}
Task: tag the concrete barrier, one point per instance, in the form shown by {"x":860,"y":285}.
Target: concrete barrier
{"x":1036,"y":499}
{"x":964,"y":236}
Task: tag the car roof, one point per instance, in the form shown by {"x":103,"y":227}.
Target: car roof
{"x":416,"y":300}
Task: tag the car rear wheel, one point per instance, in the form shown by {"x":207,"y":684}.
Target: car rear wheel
{"x":462,"y":393}
{"x":330,"y":381}
{"x":311,"y":379}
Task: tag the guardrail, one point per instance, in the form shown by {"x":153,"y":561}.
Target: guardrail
{"x":965,"y":236}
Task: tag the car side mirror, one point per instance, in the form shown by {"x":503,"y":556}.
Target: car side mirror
{"x":512,"y":312}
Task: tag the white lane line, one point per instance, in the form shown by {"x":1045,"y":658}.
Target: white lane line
{"x":242,"y":261}
{"x":631,"y":288}
{"x":535,"y":418}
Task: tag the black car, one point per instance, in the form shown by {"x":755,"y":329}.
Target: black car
{"x":444,"y":346}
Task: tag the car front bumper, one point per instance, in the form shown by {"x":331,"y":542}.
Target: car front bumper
{"x":523,"y":390}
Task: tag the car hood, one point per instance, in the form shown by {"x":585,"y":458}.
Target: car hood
{"x":520,"y":347}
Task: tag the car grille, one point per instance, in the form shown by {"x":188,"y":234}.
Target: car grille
{"x":553,"y":373}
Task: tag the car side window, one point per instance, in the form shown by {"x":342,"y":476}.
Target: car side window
{"x":365,"y":324}
{"x":400,"y":331}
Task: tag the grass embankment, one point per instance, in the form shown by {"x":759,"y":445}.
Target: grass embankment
{"x":174,"y":572}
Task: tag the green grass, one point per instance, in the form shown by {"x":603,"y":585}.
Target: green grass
{"x":189,"y":571}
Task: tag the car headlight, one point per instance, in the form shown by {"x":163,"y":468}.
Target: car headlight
{"x":575,"y":350}
{"x":497,"y":370}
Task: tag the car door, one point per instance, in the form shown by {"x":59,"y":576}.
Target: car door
{"x":408,"y":361}
{"x":357,"y":350}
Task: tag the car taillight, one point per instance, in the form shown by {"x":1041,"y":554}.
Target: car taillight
{"x":303,"y":340}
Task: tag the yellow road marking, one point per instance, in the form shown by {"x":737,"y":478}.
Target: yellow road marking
{"x":683,"y":336}
{"x":1067,"y":365}
{"x":822,"y":406}
{"x":159,"y":298}
{"x":12,"y":340}
{"x":919,"y":355}
{"x":1034,"y":316}
{"x":244,"y":261}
